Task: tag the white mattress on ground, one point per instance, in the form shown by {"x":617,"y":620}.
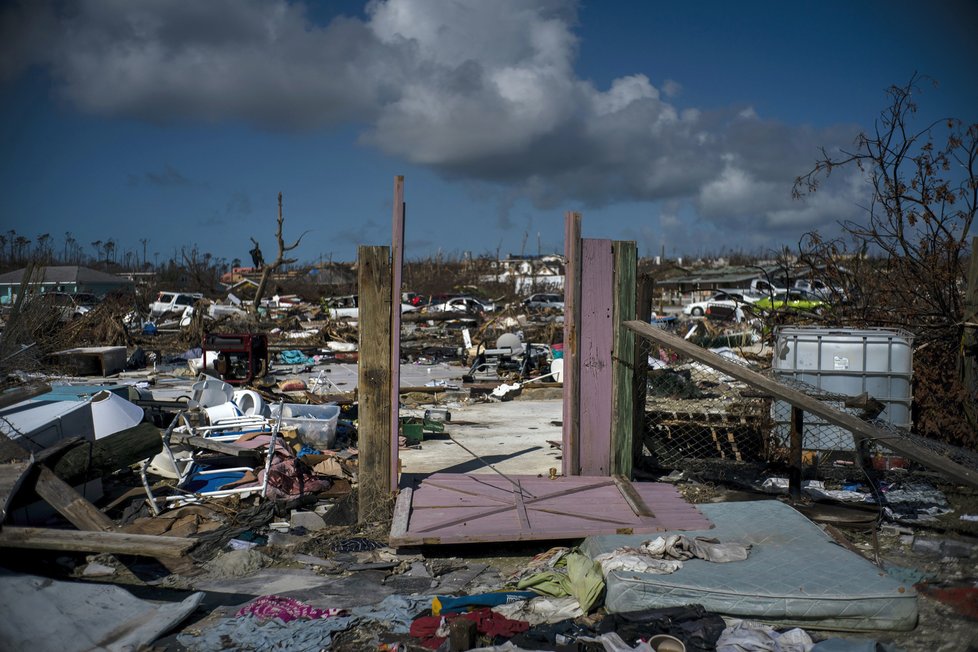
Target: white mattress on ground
{"x":795,"y":574}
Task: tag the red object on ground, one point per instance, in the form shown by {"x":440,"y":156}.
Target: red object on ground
{"x":486,"y":621}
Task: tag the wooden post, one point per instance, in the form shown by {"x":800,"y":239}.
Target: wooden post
{"x":570,"y":455}
{"x":397,"y":261}
{"x":643,"y":304}
{"x":596,"y":344}
{"x":374,"y":382}
{"x":625,"y":256}
{"x":795,"y":452}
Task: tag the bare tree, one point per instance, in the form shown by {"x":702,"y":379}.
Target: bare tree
{"x":907,"y":264}
{"x":280,"y":259}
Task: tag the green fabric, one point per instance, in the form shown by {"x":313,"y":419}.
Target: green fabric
{"x":581,"y":578}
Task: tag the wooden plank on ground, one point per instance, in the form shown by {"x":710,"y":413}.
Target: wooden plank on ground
{"x":70,"y":504}
{"x":860,"y":429}
{"x":110,"y":542}
{"x":374,"y":382}
{"x":596,"y":343}
{"x":625,"y":255}
{"x":570,"y":451}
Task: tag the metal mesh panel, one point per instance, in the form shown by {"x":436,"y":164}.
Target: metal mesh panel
{"x":693,"y":412}
{"x":697,"y":416}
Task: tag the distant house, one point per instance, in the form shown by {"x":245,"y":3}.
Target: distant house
{"x":65,"y":278}
{"x":529,"y":273}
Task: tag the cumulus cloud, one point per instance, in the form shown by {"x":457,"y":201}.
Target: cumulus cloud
{"x":480,"y":91}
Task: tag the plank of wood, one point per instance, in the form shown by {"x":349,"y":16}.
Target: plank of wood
{"x":109,"y":542}
{"x":571,"y":426}
{"x":375,"y":424}
{"x":597,"y":341}
{"x":402,"y":513}
{"x":633,"y":498}
{"x":397,"y":261}
{"x":214,"y":446}
{"x":645,"y":286}
{"x":860,"y":429}
{"x":70,"y":504}
{"x":12,"y":475}
{"x":625,"y":257}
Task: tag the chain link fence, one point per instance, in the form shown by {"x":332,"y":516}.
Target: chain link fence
{"x":698,"y":418}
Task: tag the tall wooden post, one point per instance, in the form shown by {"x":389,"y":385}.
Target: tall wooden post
{"x":374,"y":382}
{"x":596,"y":345}
{"x":644,"y":287}
{"x":570,"y":459}
{"x":397,"y":260}
{"x":625,"y":256}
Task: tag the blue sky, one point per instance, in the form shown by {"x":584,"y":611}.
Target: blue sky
{"x":678,"y":125}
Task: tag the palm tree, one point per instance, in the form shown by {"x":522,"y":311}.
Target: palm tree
{"x":98,"y":249}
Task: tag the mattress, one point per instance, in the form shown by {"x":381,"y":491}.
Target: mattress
{"x":795,"y":574}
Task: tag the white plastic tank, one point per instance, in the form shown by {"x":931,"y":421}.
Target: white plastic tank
{"x":876,"y":361}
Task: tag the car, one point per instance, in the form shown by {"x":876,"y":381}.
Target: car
{"x":729,"y":299}
{"x":543,"y":301}
{"x":791,"y":300}
{"x":69,"y":306}
{"x":468,"y":305}
{"x":178,"y":302}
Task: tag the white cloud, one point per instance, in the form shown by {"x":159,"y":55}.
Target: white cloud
{"x":484,"y":91}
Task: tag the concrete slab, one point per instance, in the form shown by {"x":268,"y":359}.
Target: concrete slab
{"x":512,"y":436}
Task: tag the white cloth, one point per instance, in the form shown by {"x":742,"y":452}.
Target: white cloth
{"x":748,"y":636}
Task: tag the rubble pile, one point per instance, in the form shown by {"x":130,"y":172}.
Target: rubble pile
{"x":207,"y":458}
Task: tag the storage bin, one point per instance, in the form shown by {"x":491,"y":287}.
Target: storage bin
{"x":315,"y":424}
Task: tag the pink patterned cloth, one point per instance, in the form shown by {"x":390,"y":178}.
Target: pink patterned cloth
{"x":285,"y":609}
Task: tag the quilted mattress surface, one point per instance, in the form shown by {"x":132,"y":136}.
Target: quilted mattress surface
{"x":795,"y":574}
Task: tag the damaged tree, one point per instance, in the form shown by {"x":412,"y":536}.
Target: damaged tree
{"x":280,"y":259}
{"x":907,"y":266}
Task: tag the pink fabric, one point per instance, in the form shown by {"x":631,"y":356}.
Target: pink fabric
{"x":285,"y":609}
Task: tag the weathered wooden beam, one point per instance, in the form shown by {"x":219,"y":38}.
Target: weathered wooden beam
{"x":596,"y":344}
{"x":644,"y":288}
{"x":860,"y":429}
{"x":397,"y":261}
{"x":625,"y":257}
{"x":110,"y":542}
{"x":375,"y":423}
{"x":70,"y":504}
{"x":570,"y":455}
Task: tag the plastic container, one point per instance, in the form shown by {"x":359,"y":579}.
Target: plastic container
{"x":315,"y":424}
{"x":878,"y":362}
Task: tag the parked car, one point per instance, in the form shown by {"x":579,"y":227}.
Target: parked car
{"x":790,"y":299}
{"x":167,"y":302}
{"x":468,"y":305}
{"x":543,"y":301}
{"x":729,"y":299}
{"x":348,"y":307}
{"x":69,"y":306}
